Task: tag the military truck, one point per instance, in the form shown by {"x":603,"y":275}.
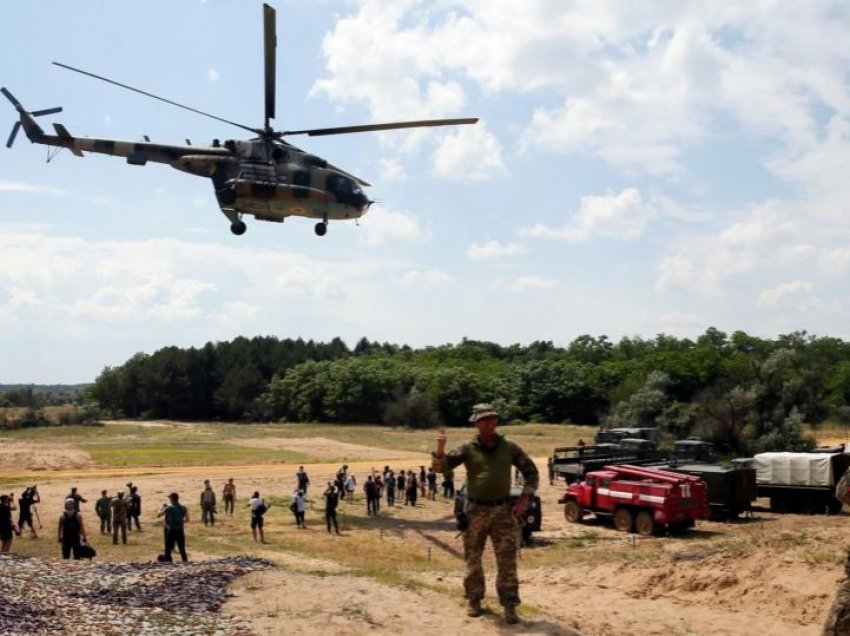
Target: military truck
{"x":614,"y":435}
{"x":731,"y":489}
{"x":801,"y":482}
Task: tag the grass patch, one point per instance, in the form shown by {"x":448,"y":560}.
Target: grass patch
{"x":187,"y":454}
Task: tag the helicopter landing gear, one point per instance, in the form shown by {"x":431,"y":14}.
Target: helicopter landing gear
{"x":321,"y":228}
{"x":238,"y":228}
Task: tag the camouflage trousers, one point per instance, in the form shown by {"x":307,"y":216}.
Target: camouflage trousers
{"x":838,"y":619}
{"x":498,"y":523}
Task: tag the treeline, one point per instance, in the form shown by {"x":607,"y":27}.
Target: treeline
{"x":745,"y":392}
{"x":40,"y":395}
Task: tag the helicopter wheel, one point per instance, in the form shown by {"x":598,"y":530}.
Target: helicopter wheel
{"x":238,"y":228}
{"x":321,"y":229}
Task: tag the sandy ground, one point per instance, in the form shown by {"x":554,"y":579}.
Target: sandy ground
{"x":773,"y":575}
{"x":18,"y":455}
{"x":326,"y":449}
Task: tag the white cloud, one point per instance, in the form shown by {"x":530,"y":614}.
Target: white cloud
{"x":472,"y":153}
{"x":212,"y":75}
{"x":493,"y":250}
{"x":785,"y":294}
{"x":524,"y":284}
{"x":392,"y":170}
{"x":618,"y":216}
{"x":17,"y":186}
{"x":384,"y":227}
{"x":429,"y":278}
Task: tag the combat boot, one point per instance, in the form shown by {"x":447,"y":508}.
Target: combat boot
{"x":473,"y":609}
{"x":511,"y":617}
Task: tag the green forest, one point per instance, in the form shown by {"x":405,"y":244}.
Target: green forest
{"x":747,"y":394}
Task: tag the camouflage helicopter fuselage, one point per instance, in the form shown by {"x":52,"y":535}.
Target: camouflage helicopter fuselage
{"x":269,"y":180}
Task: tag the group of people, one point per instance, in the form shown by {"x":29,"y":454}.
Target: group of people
{"x":26,"y":506}
{"x":488,"y":458}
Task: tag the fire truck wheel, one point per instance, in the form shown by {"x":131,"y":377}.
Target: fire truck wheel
{"x":645,"y":524}
{"x":623,"y":519}
{"x":572,"y":512}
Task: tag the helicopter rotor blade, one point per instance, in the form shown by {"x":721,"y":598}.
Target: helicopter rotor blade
{"x":269,"y":48}
{"x":162,"y":99}
{"x":15,"y":130}
{"x":11,"y":98}
{"x":341,"y":130}
{"x":46,"y":111}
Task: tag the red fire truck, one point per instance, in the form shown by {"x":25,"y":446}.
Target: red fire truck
{"x":639,"y":499}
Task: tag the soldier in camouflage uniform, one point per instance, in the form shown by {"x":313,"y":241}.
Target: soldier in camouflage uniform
{"x":489,"y":459}
{"x":838,"y":619}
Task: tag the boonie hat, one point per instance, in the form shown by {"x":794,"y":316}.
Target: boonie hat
{"x":480,"y":411}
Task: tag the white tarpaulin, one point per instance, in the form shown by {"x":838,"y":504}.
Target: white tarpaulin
{"x":794,"y":469}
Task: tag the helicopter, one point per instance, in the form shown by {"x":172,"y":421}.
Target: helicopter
{"x":265,"y":177}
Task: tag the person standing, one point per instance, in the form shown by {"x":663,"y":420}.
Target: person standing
{"x":412,"y":491}
{"x":331,"y":501}
{"x":228,"y":494}
{"x":298,"y":507}
{"x":72,"y":530}
{"x":371,"y":490}
{"x":550,"y":467}
{"x":7,"y":527}
{"x":302,"y":479}
{"x":119,"y":517}
{"x":389,"y":484}
{"x":432,"y":484}
{"x":400,"y":486}
{"x":103,"y":510}
{"x":350,"y":487}
{"x":258,"y":509}
{"x":176,"y":517}
{"x":77,"y":498}
{"x":29,"y":498}
{"x":423,"y":481}
{"x":449,"y":484}
{"x":134,"y":509}
{"x":489,"y":458}
{"x":208,"y":504}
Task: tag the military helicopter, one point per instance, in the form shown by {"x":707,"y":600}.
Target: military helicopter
{"x":266,"y":176}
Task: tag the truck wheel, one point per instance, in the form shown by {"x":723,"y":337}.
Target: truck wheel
{"x":834,"y":507}
{"x":623,"y":520}
{"x":645,"y":524}
{"x":572,"y":511}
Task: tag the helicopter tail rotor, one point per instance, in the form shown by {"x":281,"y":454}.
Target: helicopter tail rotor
{"x":26,"y":117}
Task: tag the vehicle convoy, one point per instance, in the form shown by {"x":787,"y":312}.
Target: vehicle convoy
{"x":801,"y":482}
{"x":638,"y":499}
{"x":731,"y":489}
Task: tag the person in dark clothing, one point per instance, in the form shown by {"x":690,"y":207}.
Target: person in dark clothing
{"x":134,"y":509}
{"x":7,"y":528}
{"x":77,"y":497}
{"x":25,"y":506}
{"x":176,"y":516}
{"x":390,"y":488}
{"x":331,"y":502}
{"x":371,"y":490}
{"x":432,"y":484}
{"x":412,"y":491}
{"x":71,"y":530}
{"x":400,"y":483}
{"x":303,"y":479}
{"x":423,"y":483}
{"x":449,"y":484}
{"x":104,"y":512}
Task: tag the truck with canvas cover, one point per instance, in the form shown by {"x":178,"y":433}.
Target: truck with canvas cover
{"x":801,"y":482}
{"x":638,"y":499}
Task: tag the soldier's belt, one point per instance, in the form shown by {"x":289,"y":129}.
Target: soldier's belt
{"x":488,"y":502}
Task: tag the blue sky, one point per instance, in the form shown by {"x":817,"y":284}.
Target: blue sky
{"x":638,"y":168}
